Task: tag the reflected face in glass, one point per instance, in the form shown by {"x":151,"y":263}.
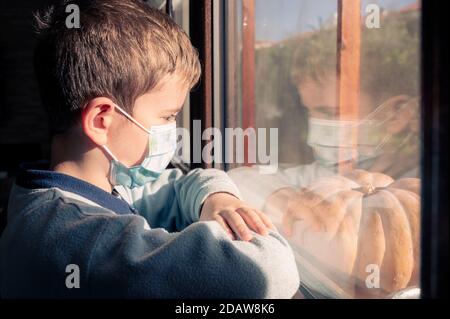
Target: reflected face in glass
{"x":319,"y":97}
{"x":397,"y":113}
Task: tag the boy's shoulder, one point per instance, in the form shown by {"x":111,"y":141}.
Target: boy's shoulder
{"x":35,"y":186}
{"x":48,"y":229}
{"x":36,"y":209}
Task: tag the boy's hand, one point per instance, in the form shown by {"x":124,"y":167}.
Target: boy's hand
{"x":235,"y":216}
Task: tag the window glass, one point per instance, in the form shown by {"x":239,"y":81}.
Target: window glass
{"x":343,"y":91}
{"x":181,"y":17}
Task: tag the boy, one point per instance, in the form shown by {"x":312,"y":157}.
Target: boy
{"x":107,"y":210}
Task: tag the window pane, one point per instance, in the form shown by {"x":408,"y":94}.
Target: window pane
{"x":181,"y":17}
{"x":343,"y":91}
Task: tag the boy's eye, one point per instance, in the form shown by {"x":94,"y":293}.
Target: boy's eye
{"x":325,"y":111}
{"x":171,"y":117}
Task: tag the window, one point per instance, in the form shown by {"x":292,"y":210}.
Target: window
{"x":181,"y":16}
{"x":179,"y":11}
{"x":340,"y":81}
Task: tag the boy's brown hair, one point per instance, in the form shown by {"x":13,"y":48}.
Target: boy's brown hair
{"x":122,"y":50}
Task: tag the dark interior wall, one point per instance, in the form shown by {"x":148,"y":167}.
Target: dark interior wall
{"x":23,"y":125}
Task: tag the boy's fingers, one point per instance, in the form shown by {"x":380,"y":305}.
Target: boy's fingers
{"x":222,"y":222}
{"x":266,"y":220}
{"x":237,"y":224}
{"x":253,"y":220}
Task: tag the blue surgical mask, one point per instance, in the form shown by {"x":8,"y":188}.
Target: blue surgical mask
{"x":162,"y":144}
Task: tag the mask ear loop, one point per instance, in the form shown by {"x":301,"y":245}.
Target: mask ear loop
{"x":109,"y":153}
{"x":128,"y":116}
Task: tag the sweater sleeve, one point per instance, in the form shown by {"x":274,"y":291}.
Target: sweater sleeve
{"x":174,"y":200}
{"x":131,"y":261}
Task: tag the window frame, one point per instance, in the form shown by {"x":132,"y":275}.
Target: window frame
{"x":434,"y":153}
{"x":434,"y":119}
{"x":201,"y":97}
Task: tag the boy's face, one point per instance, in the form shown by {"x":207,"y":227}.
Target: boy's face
{"x":160,"y":106}
{"x":397,"y":121}
{"x":319,"y":97}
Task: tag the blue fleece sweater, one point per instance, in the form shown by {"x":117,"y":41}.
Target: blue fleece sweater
{"x":140,"y":243}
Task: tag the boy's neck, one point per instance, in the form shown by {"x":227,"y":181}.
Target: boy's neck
{"x":79,"y":163}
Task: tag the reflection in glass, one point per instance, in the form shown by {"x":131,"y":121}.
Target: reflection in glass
{"x":355,"y":232}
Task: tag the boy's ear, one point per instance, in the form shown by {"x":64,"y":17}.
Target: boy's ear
{"x":96,"y":119}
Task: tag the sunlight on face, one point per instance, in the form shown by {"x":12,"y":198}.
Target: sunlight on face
{"x":158,"y":107}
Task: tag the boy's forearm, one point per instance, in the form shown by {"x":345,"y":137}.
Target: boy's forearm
{"x":194,"y":188}
{"x":174,"y":200}
{"x":213,"y":266}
